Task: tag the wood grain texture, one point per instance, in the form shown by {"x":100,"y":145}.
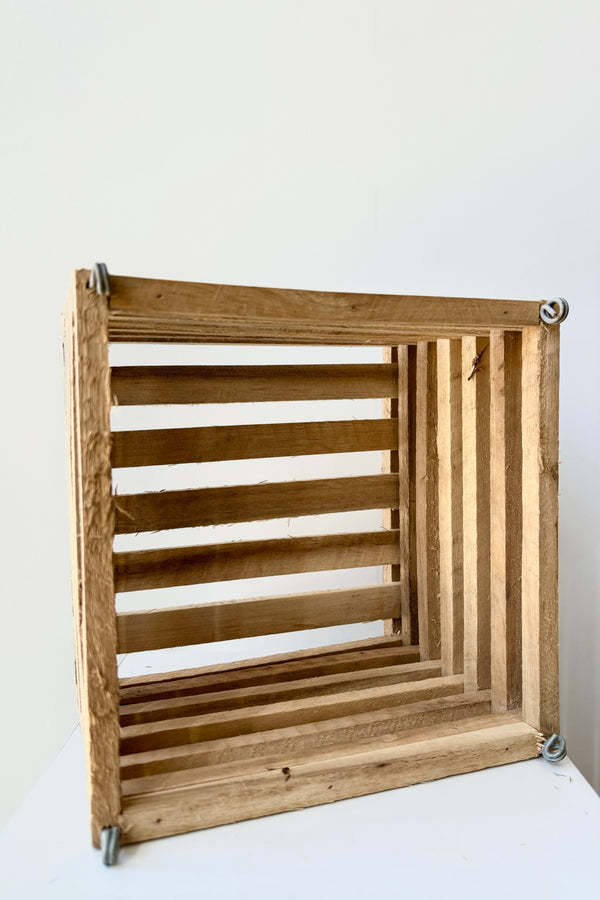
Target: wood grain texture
{"x":389,"y":464}
{"x":540,"y":527}
{"x":263,"y":695}
{"x":251,"y":502}
{"x":142,"y":569}
{"x":170,"y":446}
{"x":231,"y":619}
{"x":164,"y":309}
{"x":139,"y":385}
{"x":323,"y":781}
{"x":450,"y":485}
{"x":94,"y":528}
{"x":189,"y":729}
{"x":506,"y":518}
{"x":427,"y":502}
{"x":476,"y":511}
{"x":312,"y":736}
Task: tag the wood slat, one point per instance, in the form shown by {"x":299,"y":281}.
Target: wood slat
{"x":262,"y":695}
{"x":92,"y":526}
{"x":228,"y":620}
{"x":449,"y":437}
{"x":266,"y":670}
{"x":143,"y":569}
{"x":506,"y":518}
{"x":250,"y":503}
{"x":292,"y":787}
{"x":239,"y":312}
{"x":151,"y":385}
{"x":154,"y":735}
{"x":310,"y":737}
{"x":389,"y":465}
{"x":540,"y":527}
{"x":170,"y":446}
{"x":427,"y":501}
{"x":476,"y":511}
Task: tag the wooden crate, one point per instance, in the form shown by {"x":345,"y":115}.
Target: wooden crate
{"x":466,"y":674}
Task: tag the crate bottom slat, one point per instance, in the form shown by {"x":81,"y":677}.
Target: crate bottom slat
{"x":269,"y":790}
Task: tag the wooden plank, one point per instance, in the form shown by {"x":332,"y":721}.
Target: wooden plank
{"x":262,"y":695}
{"x":540,"y":527}
{"x":142,"y":569}
{"x":227,"y":620}
{"x":476,"y":511}
{"x":307,"y":665}
{"x":449,"y":435}
{"x":251,"y":502}
{"x":185,"y":730}
{"x":427,"y":501}
{"x":323,"y":781}
{"x":389,"y":464}
{"x":297,"y":756}
{"x":135,"y":385}
{"x":94,"y":528}
{"x":506,"y":518}
{"x":310,"y":737}
{"x":170,"y":446}
{"x":238,"y":312}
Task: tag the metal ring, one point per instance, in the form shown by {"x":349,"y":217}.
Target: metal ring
{"x":109,"y":844}
{"x":554,"y":311}
{"x":555,"y":748}
{"x":99,"y":280}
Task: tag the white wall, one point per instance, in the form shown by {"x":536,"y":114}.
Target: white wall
{"x":420,"y":147}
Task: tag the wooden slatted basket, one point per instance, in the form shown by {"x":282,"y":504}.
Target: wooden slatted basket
{"x":465,"y":675}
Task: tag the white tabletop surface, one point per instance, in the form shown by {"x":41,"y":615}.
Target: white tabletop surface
{"x":525,"y":830}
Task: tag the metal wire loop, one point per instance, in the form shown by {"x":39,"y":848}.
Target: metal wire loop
{"x":554,"y":311}
{"x":99,"y":280}
{"x":555,"y":748}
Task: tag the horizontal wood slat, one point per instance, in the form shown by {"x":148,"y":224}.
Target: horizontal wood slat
{"x":230,"y":619}
{"x":141,"y":385}
{"x":238,"y":313}
{"x":142,"y":569}
{"x":282,"y":667}
{"x":252,"y":502}
{"x":170,"y":446}
{"x":270,"y":790}
{"x":154,"y":735}
{"x":262,"y":695}
{"x":400,"y":724}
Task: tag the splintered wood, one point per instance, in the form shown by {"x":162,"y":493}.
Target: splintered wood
{"x":464,"y":676}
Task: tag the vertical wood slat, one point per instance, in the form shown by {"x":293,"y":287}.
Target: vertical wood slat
{"x":540,"y":527}
{"x":449,"y":372}
{"x":506,"y":518}
{"x":476,"y":512}
{"x":93,"y":523}
{"x":426,"y":501}
{"x":389,"y":465}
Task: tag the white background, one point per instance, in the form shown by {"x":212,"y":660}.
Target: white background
{"x":401,"y":147}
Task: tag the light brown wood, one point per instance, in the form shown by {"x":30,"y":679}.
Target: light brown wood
{"x":312,"y":736}
{"x":449,"y":435}
{"x":235,"y":313}
{"x":427,"y":502}
{"x":142,"y":569}
{"x":540,"y":528}
{"x":185,"y":730}
{"x":135,"y":385}
{"x":227,"y":620}
{"x":249,"y":503}
{"x":389,"y":464}
{"x":264,"y":694}
{"x":476,"y":511}
{"x":169,"y":446}
{"x":93,"y":526}
{"x":506,"y":518}
{"x":322,"y":781}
